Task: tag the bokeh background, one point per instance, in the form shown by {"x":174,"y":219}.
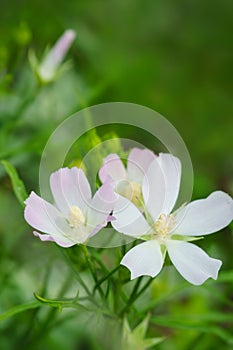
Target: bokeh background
{"x":173,"y":56}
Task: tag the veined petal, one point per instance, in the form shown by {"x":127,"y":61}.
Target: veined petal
{"x":62,"y":241}
{"x":205,"y":216}
{"x":144,"y":259}
{"x":44,"y":217}
{"x":161,"y":183}
{"x":113,"y":168}
{"x":100,"y":207}
{"x":70,"y":187}
{"x":153,"y":189}
{"x":138,"y":162}
{"x":171,"y":168}
{"x":128,"y":218}
{"x":192,"y":262}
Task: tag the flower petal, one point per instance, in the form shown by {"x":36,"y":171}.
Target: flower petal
{"x":138,"y":162}
{"x":144,"y":259}
{"x":128,"y":218}
{"x":161,"y":184}
{"x":70,"y":187}
{"x":205,"y":216}
{"x":62,"y":241}
{"x":113,"y":168}
{"x":171,"y":168}
{"x":44,"y":217}
{"x":100,"y":207}
{"x":192,"y":262}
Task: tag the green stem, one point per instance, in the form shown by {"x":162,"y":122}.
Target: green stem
{"x":102,"y":280}
{"x":92,"y":269}
{"x":77,"y":274}
{"x":134,"y":295}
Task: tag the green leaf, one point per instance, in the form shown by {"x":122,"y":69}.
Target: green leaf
{"x":18,"y":185}
{"x":19,"y":308}
{"x":141,"y":329}
{"x":135,"y":339}
{"x":177,"y":323}
{"x":60,"y":304}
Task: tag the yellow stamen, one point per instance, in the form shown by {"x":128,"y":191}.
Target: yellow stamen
{"x":130,"y":190}
{"x":164,"y":225}
{"x":75,"y":217}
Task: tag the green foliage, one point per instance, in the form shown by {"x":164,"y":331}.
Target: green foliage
{"x":18,"y":185}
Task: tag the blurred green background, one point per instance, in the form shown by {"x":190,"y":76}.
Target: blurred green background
{"x":173,"y":56}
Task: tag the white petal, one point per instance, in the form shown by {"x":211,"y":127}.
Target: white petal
{"x":171,"y":168}
{"x":138,"y":162}
{"x":62,"y":241}
{"x":44,"y":217}
{"x":144,"y":259}
{"x":113,"y":168}
{"x":192,"y":262}
{"x":70,"y":187}
{"x":128,"y":219}
{"x":161,"y":184}
{"x":205,"y":216}
{"x":100,"y":207}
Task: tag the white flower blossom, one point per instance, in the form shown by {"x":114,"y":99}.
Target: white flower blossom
{"x":164,"y":232}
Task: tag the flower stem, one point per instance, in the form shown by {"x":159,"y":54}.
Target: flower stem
{"x":77,"y":274}
{"x":135,"y":295}
{"x":106,"y":277}
{"x":92,"y":269}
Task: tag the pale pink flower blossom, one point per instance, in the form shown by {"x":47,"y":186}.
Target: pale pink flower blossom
{"x":127,"y":180}
{"x":75,"y":215}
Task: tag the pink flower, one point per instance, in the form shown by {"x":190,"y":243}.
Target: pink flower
{"x":76,"y":215}
{"x":164,"y":232}
{"x":128,"y":180}
{"x":51,"y":65}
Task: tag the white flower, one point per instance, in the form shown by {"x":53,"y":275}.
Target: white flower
{"x":170,"y":232}
{"x":76,"y":216}
{"x":128,"y":180}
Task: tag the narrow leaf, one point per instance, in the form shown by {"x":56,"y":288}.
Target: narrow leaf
{"x":60,"y":304}
{"x":19,"y":308}
{"x":18,"y":185}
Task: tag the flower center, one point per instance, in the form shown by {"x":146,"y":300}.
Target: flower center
{"x":163,"y":226}
{"x":135,"y":194}
{"x":131,"y":190}
{"x":75,"y":217}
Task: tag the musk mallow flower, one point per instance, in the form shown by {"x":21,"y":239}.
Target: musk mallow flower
{"x":127,"y":181}
{"x":50,"y":66}
{"x":164,"y":232}
{"x":75,"y":215}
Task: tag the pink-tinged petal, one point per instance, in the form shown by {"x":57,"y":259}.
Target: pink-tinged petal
{"x":44,"y":217}
{"x":145,"y":259}
{"x":113,"y":168}
{"x":63,"y":241}
{"x":50,"y":64}
{"x":59,"y":50}
{"x":138,"y":163}
{"x":161,"y":184}
{"x":192,"y":262}
{"x":128,"y":218}
{"x":70,"y":187}
{"x":205,"y":216}
{"x":101,"y":207}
